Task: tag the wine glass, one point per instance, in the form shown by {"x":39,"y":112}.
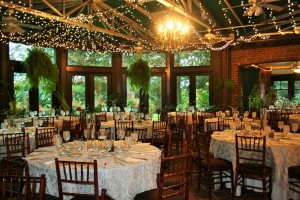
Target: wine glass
{"x":67,"y":112}
{"x":77,"y":144}
{"x":66,"y":135}
{"x":121,"y":134}
{"x":286,"y":130}
{"x":57,"y":141}
{"x":102,"y":135}
{"x":134,"y":136}
{"x":295,"y":127}
{"x":246,"y":113}
{"x":108,"y":145}
{"x":62,"y":112}
{"x":253,"y":114}
{"x":128,"y":141}
{"x":41,"y":121}
{"x":280,"y":125}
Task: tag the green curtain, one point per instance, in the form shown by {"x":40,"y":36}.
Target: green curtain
{"x":248,"y":78}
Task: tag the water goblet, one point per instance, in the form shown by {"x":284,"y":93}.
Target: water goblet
{"x":134,"y":136}
{"x":295,"y":127}
{"x":77,"y":144}
{"x":246,"y":114}
{"x":108,"y":145}
{"x":57,"y":141}
{"x":40,"y":122}
{"x":31,"y":113}
{"x":121,"y":134}
{"x":67,"y":112}
{"x":128,"y":141}
{"x":62,"y":112}
{"x":280,"y":125}
{"x":102,"y":135}
{"x":35,"y":113}
{"x":66,"y":135}
{"x":286,"y":130}
{"x":253,"y":114}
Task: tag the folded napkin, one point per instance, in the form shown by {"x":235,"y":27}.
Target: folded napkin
{"x":128,"y":159}
{"x":49,"y":162}
{"x":45,"y":149}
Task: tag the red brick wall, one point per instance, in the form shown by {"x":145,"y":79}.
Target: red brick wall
{"x":240,"y":57}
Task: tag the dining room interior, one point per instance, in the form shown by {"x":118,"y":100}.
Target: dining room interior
{"x":129,"y":90}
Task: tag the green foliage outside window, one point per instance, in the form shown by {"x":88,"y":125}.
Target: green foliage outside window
{"x":192,"y":58}
{"x":19,"y":51}
{"x":202,"y":92}
{"x":85,"y":58}
{"x":78,"y":92}
{"x":153,"y":59}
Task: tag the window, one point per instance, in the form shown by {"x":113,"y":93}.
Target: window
{"x":192,"y":58}
{"x":100,"y":93}
{"x":202,"y":92}
{"x":297,"y":91}
{"x":282,"y":89}
{"x":155,"y":94}
{"x":45,"y":97}
{"x":85,"y":58}
{"x":153,"y":59}
{"x":19,"y":52}
{"x":133,"y":97}
{"x":21,"y":90}
{"x":78,"y":92}
{"x":183,"y":90}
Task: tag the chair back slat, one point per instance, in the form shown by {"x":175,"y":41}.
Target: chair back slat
{"x":250,"y":150}
{"x":18,"y":145}
{"x":178,"y":167}
{"x":73,"y":172}
{"x":44,"y":137}
{"x":22,"y":187}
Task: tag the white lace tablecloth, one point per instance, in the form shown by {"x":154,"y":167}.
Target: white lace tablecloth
{"x":148,"y":124}
{"x":280,"y":154}
{"x":124,"y":173}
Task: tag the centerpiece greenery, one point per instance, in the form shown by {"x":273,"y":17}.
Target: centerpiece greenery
{"x":225,"y":83}
{"x":39,"y":68}
{"x":139,"y":74}
{"x":257,"y":100}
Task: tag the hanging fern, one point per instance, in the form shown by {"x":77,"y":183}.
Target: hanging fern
{"x":39,"y":68}
{"x":139,"y":74}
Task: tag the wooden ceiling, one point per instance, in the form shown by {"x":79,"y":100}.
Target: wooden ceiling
{"x":115,"y":25}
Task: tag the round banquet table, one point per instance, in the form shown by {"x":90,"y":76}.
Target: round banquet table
{"x":123,"y":173}
{"x":281,"y":153}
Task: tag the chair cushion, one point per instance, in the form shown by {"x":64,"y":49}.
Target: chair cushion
{"x":217,"y":164}
{"x":294,"y":172}
{"x":148,"y":195}
{"x":250,"y":170}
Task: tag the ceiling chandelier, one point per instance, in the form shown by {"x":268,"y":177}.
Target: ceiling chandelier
{"x":296,"y":67}
{"x":173,"y":34}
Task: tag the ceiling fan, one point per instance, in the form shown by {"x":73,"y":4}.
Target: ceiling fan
{"x":256,"y":7}
{"x":215,"y":38}
{"x":12,"y":25}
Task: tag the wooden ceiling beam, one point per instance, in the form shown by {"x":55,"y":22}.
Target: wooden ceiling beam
{"x":173,"y":6}
{"x":65,"y":20}
{"x":77,"y":8}
{"x":52,"y":8}
{"x":138,"y":28}
{"x":234,"y":12}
